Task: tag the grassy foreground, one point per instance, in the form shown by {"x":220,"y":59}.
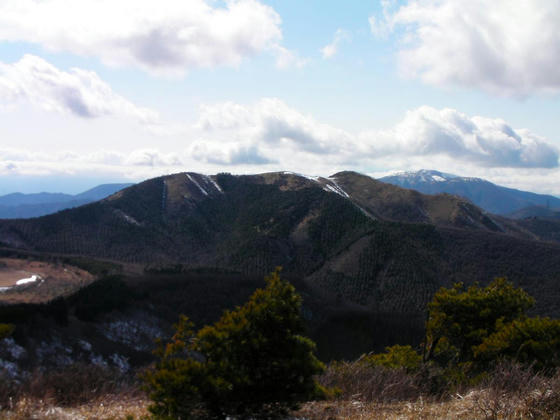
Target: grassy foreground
{"x":365,"y":392}
{"x":477,"y":404}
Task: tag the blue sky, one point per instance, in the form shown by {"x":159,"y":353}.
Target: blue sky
{"x":100,"y":91}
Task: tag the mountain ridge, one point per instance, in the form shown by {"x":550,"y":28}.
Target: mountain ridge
{"x":374,"y":244}
{"x":19,"y":205}
{"x":491,"y":197}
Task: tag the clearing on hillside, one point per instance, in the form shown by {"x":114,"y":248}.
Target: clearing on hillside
{"x":33,"y":281}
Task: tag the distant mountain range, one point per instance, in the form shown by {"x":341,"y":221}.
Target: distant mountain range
{"x":491,"y":197}
{"x":18,"y":205}
{"x":349,"y":236}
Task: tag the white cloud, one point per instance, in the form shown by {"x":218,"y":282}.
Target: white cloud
{"x":286,"y":59}
{"x":269,"y":135}
{"x":381,"y":27}
{"x":273,"y":126}
{"x":497,"y":46}
{"x":78,"y":92}
{"x":269,"y":127}
{"x":482,"y":141}
{"x":168,"y":36}
{"x":152,"y":157}
{"x":331,"y":49}
{"x":230,"y":154}
{"x":140,"y":157}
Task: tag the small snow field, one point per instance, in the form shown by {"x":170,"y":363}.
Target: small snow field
{"x":12,"y":277}
{"x":31,"y":279}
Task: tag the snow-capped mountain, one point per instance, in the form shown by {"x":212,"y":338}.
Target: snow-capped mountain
{"x":421,"y":177}
{"x":491,"y":197}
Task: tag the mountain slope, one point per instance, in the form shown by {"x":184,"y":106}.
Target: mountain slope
{"x":492,"y":198}
{"x":101,"y":191}
{"x":535,"y":211}
{"x":18,"y":205}
{"x":348,"y":236}
{"x":403,"y":205}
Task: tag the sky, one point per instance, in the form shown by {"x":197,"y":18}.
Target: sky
{"x":96,"y":91}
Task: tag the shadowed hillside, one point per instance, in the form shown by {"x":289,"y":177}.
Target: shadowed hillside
{"x":375,"y":245}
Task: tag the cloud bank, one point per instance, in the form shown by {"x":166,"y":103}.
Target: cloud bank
{"x":496,"y":46}
{"x":272,"y":128}
{"x":482,"y":141}
{"x":168,"y":36}
{"x":269,"y":135}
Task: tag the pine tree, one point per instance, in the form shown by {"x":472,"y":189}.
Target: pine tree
{"x":253,"y":362}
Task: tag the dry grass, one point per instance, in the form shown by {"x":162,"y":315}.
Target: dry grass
{"x":368,"y":383}
{"x":366,"y":393}
{"x":76,"y":392}
{"x":369,"y":392}
{"x":420,"y":409}
{"x":124,"y":407}
{"x":511,"y":391}
{"x":114,"y":407}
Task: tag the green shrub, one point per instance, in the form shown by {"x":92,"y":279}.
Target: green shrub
{"x":528,"y":341}
{"x":396,"y":357}
{"x":253,"y":362}
{"x":460,"y":319}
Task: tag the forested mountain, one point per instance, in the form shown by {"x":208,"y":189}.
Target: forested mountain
{"x":491,"y":197}
{"x":349,"y":236}
{"x":18,"y":205}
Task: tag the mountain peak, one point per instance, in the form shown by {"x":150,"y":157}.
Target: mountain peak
{"x":423,"y":175}
{"x":492,"y":198}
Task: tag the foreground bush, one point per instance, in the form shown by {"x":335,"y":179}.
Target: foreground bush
{"x":462,"y":318}
{"x":396,"y":357}
{"x":533,"y":341}
{"x":253,"y":362}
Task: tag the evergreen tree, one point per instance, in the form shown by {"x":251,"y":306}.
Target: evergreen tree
{"x":530,"y":341}
{"x":460,"y":319}
{"x":253,"y":362}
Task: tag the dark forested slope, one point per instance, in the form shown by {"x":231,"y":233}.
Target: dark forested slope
{"x":349,"y":236}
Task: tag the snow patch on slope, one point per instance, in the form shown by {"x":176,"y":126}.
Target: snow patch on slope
{"x":127,"y":218}
{"x":309,"y":177}
{"x":215,"y":184}
{"x":337,"y":189}
{"x":31,"y":279}
{"x":202,"y":190}
{"x":423,"y":175}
